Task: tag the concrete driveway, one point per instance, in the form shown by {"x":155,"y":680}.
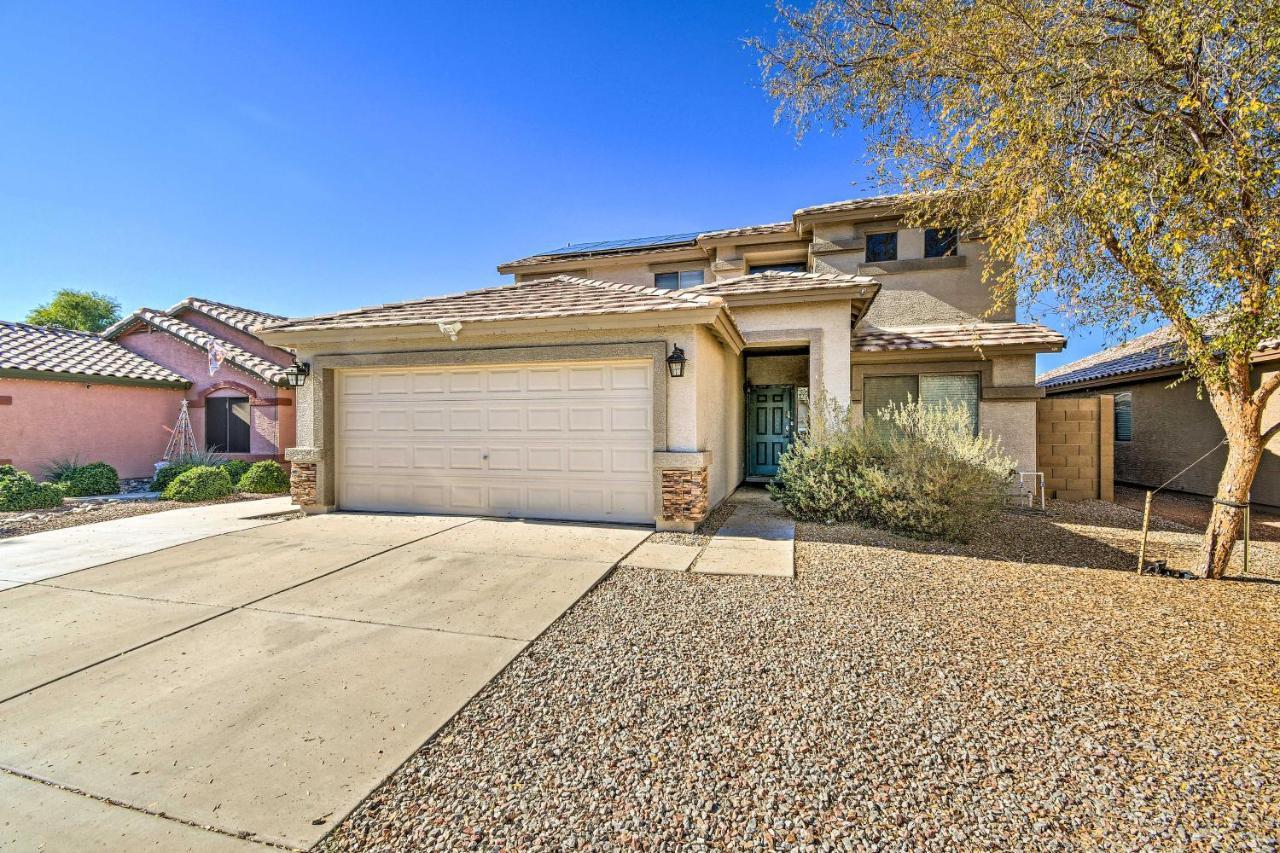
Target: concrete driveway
{"x":260,"y":683}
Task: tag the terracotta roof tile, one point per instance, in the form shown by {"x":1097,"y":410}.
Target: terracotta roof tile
{"x":751,"y":230}
{"x":1155,"y":351}
{"x":200,"y":339}
{"x":244,"y":319}
{"x":955,"y":336}
{"x":558,"y":296}
{"x":50,"y":350}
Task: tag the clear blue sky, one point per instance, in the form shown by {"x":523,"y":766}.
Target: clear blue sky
{"x":302,"y":158}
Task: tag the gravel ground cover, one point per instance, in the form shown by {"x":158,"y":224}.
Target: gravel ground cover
{"x":1193,"y":510}
{"x":72,"y":514}
{"x":896,"y":695}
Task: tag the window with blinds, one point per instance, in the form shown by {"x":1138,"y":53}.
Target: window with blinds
{"x":1124,"y":417}
{"x":878,"y":392}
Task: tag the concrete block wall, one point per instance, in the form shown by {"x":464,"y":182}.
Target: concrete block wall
{"x":1075,"y":447}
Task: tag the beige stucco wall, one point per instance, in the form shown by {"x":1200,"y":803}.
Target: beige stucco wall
{"x":717,"y":381}
{"x":823,"y":326}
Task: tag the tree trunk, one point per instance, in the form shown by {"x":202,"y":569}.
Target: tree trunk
{"x":1244,"y":454}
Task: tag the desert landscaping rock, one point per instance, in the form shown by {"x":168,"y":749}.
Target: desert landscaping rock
{"x":897,"y":694}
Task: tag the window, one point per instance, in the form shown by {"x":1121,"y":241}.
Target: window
{"x":882,"y":247}
{"x":1124,"y":417}
{"x":932,"y":388}
{"x":676,"y":280}
{"x":940,"y":242}
{"x":226,"y":424}
{"x":790,"y":266}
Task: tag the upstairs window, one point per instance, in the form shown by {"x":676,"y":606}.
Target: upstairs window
{"x":787,"y":266}
{"x":940,"y":242}
{"x":882,"y":246}
{"x":677,"y":280}
{"x":1124,"y":416}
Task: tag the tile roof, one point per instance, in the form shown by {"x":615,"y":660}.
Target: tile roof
{"x":49,"y":350}
{"x":777,"y":281}
{"x":200,"y":339}
{"x":953,"y":336}
{"x":244,"y":319}
{"x":1154,"y":351}
{"x":557,"y":296}
{"x":851,"y":204}
{"x":751,"y":230}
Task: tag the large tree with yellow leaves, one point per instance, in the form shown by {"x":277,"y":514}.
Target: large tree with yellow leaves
{"x":1122,"y":158}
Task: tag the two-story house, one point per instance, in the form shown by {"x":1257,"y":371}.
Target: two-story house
{"x":643,"y":380}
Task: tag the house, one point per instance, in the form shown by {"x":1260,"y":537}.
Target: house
{"x":643,"y":380}
{"x":66,"y":393}
{"x":115,"y":397}
{"x":1160,"y":427}
{"x":244,"y":408}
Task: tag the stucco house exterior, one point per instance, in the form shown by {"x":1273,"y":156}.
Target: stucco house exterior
{"x":1161,"y":427}
{"x":115,"y":397}
{"x":644,"y":380}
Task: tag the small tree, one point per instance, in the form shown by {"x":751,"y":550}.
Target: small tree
{"x":85,"y":310}
{"x":1121,"y":157}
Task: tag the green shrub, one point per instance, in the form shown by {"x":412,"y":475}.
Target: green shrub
{"x":921,"y":472}
{"x":166,"y":475}
{"x":20,"y":492}
{"x":201,"y":483}
{"x":265,"y":478}
{"x":235,"y":469}
{"x":96,"y":478}
{"x":59,"y":468}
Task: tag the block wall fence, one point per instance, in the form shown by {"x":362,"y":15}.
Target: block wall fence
{"x":1075,"y":447}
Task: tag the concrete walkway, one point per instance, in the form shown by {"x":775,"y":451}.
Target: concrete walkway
{"x":757,"y":539}
{"x":257,"y":686}
{"x":37,"y":556}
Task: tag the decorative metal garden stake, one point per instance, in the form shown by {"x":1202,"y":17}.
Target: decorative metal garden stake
{"x":183,"y":439}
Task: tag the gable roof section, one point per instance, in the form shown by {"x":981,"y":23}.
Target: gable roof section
{"x":558,"y":296}
{"x":255,"y":365}
{"x":39,"y":349}
{"x":1154,"y":352}
{"x":244,"y":319}
{"x":957,"y":335}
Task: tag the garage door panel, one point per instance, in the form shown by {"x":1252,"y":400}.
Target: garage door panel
{"x":555,"y":441}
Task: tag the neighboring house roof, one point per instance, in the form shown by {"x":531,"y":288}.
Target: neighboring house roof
{"x":39,"y":349}
{"x":244,"y":319}
{"x":255,"y":365}
{"x":776,"y":281}
{"x":557,"y":296}
{"x":952,"y":336}
{"x":1154,"y":352}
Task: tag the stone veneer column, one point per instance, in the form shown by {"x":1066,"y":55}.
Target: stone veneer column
{"x":302,"y":483}
{"x":685,"y":493}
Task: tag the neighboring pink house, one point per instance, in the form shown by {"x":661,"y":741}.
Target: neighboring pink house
{"x":116,"y":397}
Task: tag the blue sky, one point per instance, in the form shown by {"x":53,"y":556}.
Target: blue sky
{"x":302,"y":158}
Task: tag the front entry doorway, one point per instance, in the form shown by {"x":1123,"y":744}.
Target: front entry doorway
{"x":770,"y":427}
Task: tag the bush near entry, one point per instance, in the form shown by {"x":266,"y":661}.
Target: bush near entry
{"x":912,"y":468}
{"x":235,"y":469}
{"x":96,"y":478}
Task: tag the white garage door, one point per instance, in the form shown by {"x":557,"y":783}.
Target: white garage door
{"x":570,"y":440}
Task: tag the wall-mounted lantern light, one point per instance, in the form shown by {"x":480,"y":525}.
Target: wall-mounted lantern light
{"x":296,"y":374}
{"x":676,"y":362}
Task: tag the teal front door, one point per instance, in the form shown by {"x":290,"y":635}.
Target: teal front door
{"x":770,"y":416}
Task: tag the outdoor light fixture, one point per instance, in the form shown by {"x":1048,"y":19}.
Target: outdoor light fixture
{"x":676,"y":362}
{"x":296,"y":374}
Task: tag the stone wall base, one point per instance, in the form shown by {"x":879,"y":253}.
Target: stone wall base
{"x":302,"y":483}
{"x":684,"y":498}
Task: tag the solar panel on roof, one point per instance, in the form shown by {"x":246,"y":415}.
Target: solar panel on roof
{"x":632,"y":243}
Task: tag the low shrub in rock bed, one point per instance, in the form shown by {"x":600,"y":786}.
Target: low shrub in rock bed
{"x":201,"y":483}
{"x":20,"y":492}
{"x":915,"y":469}
{"x":167,"y":474}
{"x":96,"y":478}
{"x":265,"y":478}
{"x":235,"y":469}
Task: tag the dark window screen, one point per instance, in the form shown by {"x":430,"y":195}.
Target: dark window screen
{"x":226,"y":424}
